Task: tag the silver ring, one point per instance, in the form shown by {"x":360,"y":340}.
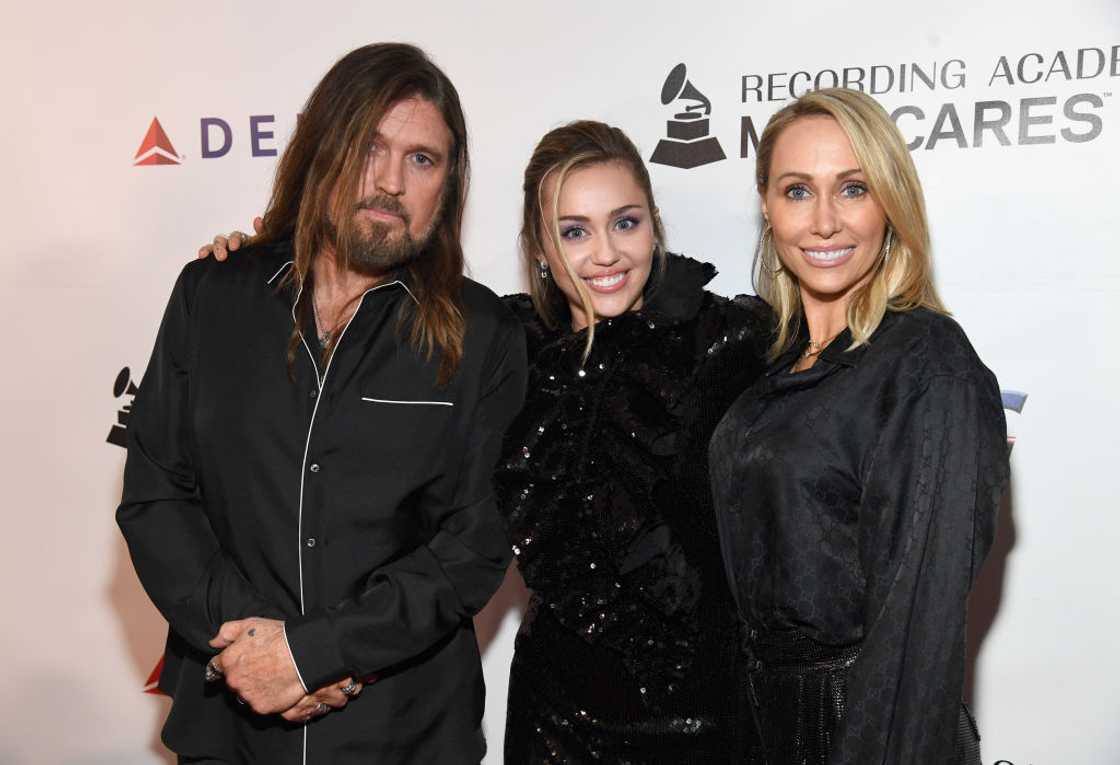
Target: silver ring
{"x":212,"y":672}
{"x":322,"y":709}
{"x":349,"y":689}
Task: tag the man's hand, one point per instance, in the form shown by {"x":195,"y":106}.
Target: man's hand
{"x":257,"y":665}
{"x":222,"y":246}
{"x":309,"y":707}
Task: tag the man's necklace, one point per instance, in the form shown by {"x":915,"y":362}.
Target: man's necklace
{"x":325,"y":335}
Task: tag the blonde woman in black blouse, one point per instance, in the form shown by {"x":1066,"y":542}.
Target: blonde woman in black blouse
{"x":857,"y":483}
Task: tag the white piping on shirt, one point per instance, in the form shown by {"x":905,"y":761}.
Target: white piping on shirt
{"x":396,"y":281}
{"x":278,"y":272}
{"x":392,"y":401}
{"x":321,"y":382}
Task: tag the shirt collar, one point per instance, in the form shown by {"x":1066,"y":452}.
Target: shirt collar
{"x":676,"y":294}
{"x":400,"y":277}
{"x":836,"y":353}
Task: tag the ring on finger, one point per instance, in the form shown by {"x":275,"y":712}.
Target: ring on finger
{"x":322,"y":708}
{"x":349,"y":689}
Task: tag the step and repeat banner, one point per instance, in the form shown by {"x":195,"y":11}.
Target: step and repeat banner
{"x":135,"y":131}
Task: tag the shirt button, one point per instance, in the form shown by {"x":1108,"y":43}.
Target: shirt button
{"x":310,"y":542}
{"x":314,"y":467}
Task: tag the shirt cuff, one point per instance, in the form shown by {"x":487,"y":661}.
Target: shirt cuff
{"x":284,"y":629}
{"x":314,"y":649}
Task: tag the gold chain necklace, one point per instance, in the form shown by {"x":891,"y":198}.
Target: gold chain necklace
{"x":814,"y":348}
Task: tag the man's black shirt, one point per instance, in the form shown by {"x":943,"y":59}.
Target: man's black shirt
{"x":359,"y":511}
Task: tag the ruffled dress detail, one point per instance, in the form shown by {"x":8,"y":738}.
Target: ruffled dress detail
{"x":628,"y":650}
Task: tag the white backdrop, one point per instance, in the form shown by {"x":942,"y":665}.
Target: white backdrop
{"x":1025,"y":246}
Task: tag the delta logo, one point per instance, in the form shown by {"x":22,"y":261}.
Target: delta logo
{"x":156,"y":148}
{"x":152,"y":686}
{"x":216,"y":139}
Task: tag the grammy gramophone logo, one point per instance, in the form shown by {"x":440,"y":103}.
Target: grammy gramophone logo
{"x":123,"y":387}
{"x":686,"y":143}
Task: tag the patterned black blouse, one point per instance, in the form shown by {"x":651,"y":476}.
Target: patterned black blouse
{"x":629,"y":648}
{"x":856,"y":502}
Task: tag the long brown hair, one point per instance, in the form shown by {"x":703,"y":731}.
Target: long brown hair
{"x":328,"y":153}
{"x":903,"y":276}
{"x":569,"y":147}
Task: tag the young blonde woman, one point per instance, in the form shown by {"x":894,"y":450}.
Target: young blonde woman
{"x":857,"y":483}
{"x":630,"y":647}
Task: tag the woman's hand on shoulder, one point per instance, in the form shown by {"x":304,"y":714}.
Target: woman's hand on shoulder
{"x":223,"y":245}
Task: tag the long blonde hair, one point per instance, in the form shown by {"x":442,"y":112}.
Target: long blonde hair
{"x":564,"y":149}
{"x":903,"y":276}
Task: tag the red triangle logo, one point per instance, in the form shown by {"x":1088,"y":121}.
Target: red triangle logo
{"x":156,"y":148}
{"x":152,"y":686}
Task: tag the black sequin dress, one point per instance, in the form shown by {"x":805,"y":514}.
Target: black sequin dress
{"x":629,"y":649}
{"x":856,"y":501}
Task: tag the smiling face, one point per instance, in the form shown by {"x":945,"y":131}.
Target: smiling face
{"x":827,"y":227}
{"x":607,"y":238}
{"x":401,"y":190}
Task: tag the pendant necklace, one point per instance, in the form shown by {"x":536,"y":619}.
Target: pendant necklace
{"x":814,"y":348}
{"x":324,"y":334}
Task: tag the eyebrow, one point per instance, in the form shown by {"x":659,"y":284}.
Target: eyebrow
{"x":613,"y":213}
{"x":807,"y":177}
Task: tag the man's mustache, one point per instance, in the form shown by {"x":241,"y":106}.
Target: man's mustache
{"x":384,"y":203}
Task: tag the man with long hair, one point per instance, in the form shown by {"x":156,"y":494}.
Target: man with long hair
{"x":307,"y":495}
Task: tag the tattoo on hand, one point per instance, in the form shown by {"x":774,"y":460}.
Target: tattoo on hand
{"x":252,"y":631}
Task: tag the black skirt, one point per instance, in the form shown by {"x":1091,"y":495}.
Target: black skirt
{"x":796,"y":689}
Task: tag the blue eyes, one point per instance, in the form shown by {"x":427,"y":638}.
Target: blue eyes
{"x":419,"y":158}
{"x":575,"y":233}
{"x":798,"y":192}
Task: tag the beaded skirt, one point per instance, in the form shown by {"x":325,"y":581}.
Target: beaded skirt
{"x":796,"y":690}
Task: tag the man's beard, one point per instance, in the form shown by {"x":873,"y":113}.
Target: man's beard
{"x":371,"y":250}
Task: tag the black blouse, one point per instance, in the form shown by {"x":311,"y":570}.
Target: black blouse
{"x":628,"y":650}
{"x":856,"y":502}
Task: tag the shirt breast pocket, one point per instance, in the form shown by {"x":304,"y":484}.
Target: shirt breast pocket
{"x":405,"y":402}
{"x":412,"y":434}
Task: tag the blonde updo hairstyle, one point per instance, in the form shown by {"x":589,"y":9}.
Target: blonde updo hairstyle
{"x":902,"y":278}
{"x":570,"y":147}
